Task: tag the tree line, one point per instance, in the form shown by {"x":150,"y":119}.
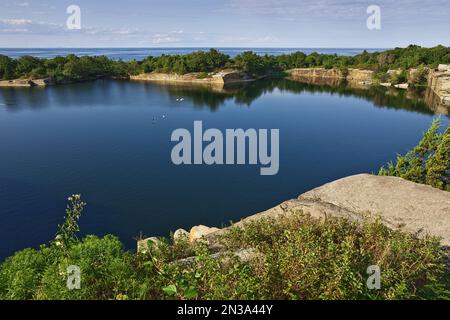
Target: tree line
{"x":74,"y":68}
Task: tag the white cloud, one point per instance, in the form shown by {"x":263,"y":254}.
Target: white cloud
{"x":15,"y":22}
{"x":27,"y":26}
{"x":122,"y":31}
{"x":163,"y":38}
{"x":266,"y":39}
{"x":307,"y":10}
{"x":14,"y":30}
{"x":248,"y":40}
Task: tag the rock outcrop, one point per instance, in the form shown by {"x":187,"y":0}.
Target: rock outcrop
{"x":439,"y":82}
{"x":143,"y":245}
{"x":401,"y":204}
{"x":443,"y":67}
{"x":15,"y":83}
{"x":218,"y":79}
{"x":198,"y":232}
{"x":26,"y":83}
{"x":315,"y":73}
{"x":360,"y":75}
{"x":356,"y":75}
{"x":180,"y":235}
{"x":434,"y":101}
{"x":403,"y":86}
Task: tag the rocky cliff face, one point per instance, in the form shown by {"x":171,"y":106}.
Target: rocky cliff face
{"x":315,"y":73}
{"x":218,"y":79}
{"x":26,"y":83}
{"x":439,"y":82}
{"x":434,"y":101}
{"x":360,"y":75}
{"x":322,"y":73}
{"x":15,"y":83}
{"x":416,"y":208}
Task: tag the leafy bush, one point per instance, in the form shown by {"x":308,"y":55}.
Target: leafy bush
{"x":398,"y":77}
{"x":291,"y":257}
{"x":106,"y":271}
{"x":20,"y":274}
{"x":419,"y":76}
{"x":67,"y":231}
{"x":381,"y":77}
{"x":428,"y":162}
{"x":300,"y":257}
{"x":203,"y":75}
{"x":7,"y":67}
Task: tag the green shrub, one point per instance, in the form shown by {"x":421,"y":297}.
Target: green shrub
{"x":203,"y":75}
{"x":106,"y":271}
{"x":20,"y":274}
{"x":381,"y":77}
{"x":419,"y":77}
{"x":303,"y":258}
{"x":67,"y":231}
{"x":291,"y":257}
{"x":400,"y":77}
{"x":344,"y":71}
{"x":428,"y":162}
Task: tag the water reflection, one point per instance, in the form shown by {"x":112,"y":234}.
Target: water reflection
{"x":111,"y":92}
{"x":424,"y":101}
{"x":108,"y":141}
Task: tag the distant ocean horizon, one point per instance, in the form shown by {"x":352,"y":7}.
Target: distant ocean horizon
{"x":140,"y":53}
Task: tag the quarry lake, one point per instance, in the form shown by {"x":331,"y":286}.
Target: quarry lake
{"x":110,"y":141}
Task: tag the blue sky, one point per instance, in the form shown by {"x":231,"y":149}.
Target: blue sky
{"x":224,"y":23}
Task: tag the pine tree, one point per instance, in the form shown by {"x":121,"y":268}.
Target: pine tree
{"x":437,"y":165}
{"x":428,"y":162}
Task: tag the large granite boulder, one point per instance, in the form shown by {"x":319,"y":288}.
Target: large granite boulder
{"x":413,"y":207}
{"x":201,"y":231}
{"x":401,"y":203}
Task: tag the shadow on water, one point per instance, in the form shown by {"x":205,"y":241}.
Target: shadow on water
{"x":415,"y":100}
{"x":14,"y":99}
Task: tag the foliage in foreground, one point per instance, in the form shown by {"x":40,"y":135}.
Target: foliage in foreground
{"x":293,"y":257}
{"x":428,"y":163}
